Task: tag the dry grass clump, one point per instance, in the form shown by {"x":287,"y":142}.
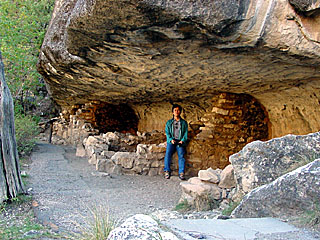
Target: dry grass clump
{"x":98,"y":226}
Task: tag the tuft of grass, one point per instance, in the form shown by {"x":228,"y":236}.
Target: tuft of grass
{"x":99,"y":226}
{"x":21,"y":198}
{"x":15,"y":202}
{"x":232,"y":205}
{"x":183,"y":206}
{"x":26,"y":130}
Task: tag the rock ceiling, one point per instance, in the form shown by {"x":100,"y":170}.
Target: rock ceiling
{"x":151,"y":51}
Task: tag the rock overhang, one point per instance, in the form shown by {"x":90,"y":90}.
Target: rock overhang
{"x":150,"y":51}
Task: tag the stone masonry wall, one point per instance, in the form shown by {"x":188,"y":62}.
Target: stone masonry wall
{"x":233,"y":121}
{"x":81,"y":121}
{"x":218,"y":127}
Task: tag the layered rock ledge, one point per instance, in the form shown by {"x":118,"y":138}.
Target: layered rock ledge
{"x":227,"y":62}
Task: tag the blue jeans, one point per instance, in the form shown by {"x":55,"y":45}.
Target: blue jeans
{"x":171,"y":148}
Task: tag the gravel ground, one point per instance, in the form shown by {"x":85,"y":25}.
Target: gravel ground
{"x":66,"y":188}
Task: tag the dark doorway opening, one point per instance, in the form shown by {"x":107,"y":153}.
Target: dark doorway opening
{"x":120,"y":118}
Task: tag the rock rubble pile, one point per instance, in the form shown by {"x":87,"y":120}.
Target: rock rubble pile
{"x":210,"y":189}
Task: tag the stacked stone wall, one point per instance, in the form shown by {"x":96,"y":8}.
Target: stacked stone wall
{"x":223,"y":126}
{"x":118,"y":153}
{"x":232,"y":121}
{"x":75,"y":125}
{"x":81,"y":121}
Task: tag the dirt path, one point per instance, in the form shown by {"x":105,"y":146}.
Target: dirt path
{"x":65,"y":189}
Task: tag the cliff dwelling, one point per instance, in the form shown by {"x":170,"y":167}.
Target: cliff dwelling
{"x":242,"y":70}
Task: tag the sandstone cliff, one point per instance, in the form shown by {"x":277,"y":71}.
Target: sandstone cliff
{"x":228,"y":62}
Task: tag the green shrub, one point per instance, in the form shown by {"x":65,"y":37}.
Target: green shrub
{"x":23,"y":25}
{"x":183,"y":206}
{"x":26,"y":130}
{"x":232,"y":205}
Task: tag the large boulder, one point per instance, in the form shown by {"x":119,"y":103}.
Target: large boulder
{"x":140,"y":227}
{"x":306,"y":5}
{"x":260,"y":163}
{"x":292,"y":194}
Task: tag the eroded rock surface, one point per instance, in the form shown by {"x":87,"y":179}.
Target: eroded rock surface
{"x":154,"y":51}
{"x":260,"y":163}
{"x":306,"y":5}
{"x":293,"y":194}
{"x":139,"y":227}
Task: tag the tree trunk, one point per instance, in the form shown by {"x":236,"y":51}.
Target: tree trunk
{"x":10,"y":178}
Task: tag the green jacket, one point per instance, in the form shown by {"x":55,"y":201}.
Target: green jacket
{"x":183,"y":131}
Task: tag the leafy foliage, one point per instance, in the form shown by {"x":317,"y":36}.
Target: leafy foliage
{"x":22,"y":28}
{"x":26,"y":130}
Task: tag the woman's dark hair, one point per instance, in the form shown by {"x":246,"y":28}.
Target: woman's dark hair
{"x":176,"y":106}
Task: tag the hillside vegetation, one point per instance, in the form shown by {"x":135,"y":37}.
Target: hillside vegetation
{"x":22,"y":28}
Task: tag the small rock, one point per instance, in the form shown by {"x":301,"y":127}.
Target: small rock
{"x":227,"y":178}
{"x":195,"y":180}
{"x":35,"y":204}
{"x":223,"y":217}
{"x":209,"y":175}
{"x":31,"y":233}
{"x":92,"y":140}
{"x":197,"y":235}
{"x":81,"y":152}
{"x":100,"y":174}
